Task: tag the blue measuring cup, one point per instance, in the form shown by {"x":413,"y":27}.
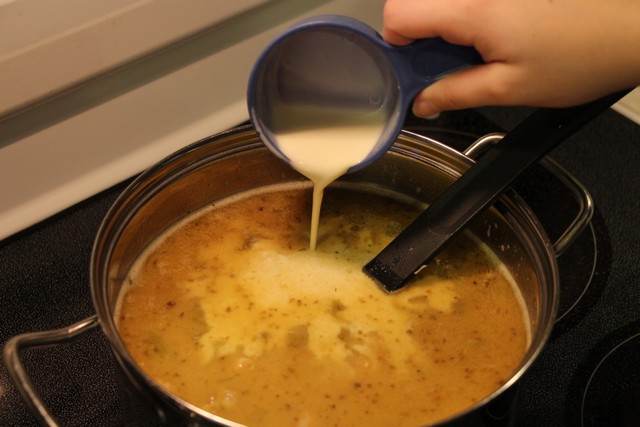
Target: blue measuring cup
{"x":339,"y":64}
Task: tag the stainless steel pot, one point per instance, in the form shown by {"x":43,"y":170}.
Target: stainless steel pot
{"x":234,"y":161}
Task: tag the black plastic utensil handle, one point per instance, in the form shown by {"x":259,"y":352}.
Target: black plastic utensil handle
{"x":478,"y":188}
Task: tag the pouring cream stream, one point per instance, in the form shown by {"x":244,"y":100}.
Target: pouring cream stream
{"x":323,"y":144}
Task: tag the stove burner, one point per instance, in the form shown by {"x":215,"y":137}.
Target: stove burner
{"x":584,"y":269}
{"x":605,"y":389}
{"x":585,"y":264}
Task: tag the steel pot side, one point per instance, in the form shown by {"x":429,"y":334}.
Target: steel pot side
{"x":236,"y":160}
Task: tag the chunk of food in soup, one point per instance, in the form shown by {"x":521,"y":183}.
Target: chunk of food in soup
{"x":230,"y":311}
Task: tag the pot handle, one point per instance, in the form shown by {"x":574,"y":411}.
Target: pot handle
{"x":580,"y":193}
{"x":19,"y":376}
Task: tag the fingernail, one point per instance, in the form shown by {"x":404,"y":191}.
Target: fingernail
{"x":425,"y":109}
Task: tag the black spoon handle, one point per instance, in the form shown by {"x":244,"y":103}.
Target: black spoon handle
{"x":478,"y":188}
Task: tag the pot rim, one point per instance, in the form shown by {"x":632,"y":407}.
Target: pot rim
{"x":111,"y":225}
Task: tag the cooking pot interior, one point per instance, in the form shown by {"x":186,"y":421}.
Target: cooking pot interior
{"x":236,"y":161}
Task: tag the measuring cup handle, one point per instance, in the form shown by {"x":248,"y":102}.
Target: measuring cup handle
{"x":425,"y":61}
{"x":19,"y":376}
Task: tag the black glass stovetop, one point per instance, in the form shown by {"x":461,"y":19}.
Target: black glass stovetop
{"x":587,"y":375}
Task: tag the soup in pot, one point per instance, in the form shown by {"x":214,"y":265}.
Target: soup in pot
{"x":232,"y":312}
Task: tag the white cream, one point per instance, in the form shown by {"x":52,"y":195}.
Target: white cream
{"x":323,"y":144}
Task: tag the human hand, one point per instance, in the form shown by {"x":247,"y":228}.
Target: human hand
{"x":547,"y":53}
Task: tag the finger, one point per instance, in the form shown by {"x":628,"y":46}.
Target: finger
{"x":394,"y":38}
{"x":408,"y":20}
{"x":475,"y":87}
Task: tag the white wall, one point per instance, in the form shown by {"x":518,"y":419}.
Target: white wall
{"x":94,"y":91}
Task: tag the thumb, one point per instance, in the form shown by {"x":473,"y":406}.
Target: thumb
{"x":473,"y":87}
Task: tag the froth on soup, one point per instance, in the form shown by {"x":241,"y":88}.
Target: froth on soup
{"x":232,"y":312}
